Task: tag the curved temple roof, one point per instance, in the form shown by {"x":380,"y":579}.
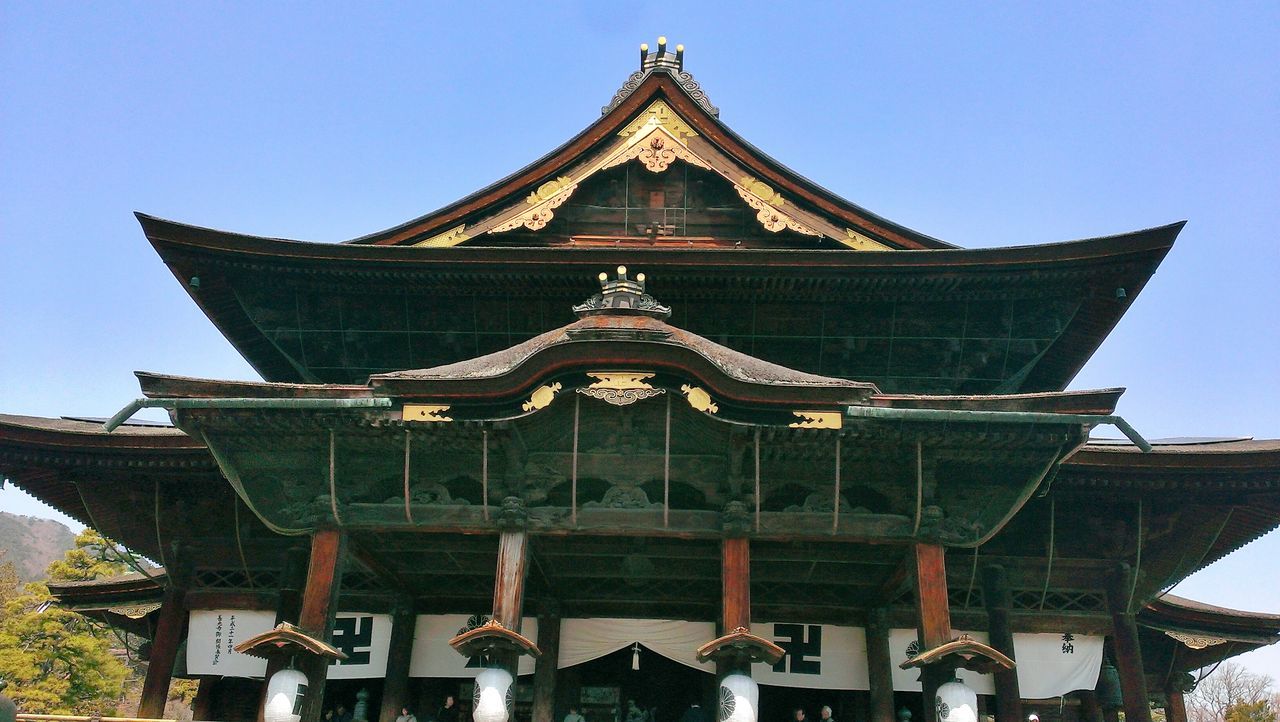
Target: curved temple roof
{"x":422,"y":293}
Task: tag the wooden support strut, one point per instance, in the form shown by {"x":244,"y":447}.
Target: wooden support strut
{"x":1175,"y":709}
{"x":508,"y":585}
{"x":319,"y":606}
{"x":170,"y":630}
{"x":395,"y":690}
{"x":544,"y":669}
{"x":1124,"y":631}
{"x":735,"y":592}
{"x":934,"y":626}
{"x":288,"y":607}
{"x":998,"y":601}
{"x":880,"y":665}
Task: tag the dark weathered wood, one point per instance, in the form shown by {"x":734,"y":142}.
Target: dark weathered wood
{"x":221,"y":599}
{"x":1133,"y":682}
{"x":395,"y":690}
{"x":1090,"y":711}
{"x":202,"y":704}
{"x":288,"y":606}
{"x":319,"y":605}
{"x":544,"y":670}
{"x":998,"y":601}
{"x":171,"y":627}
{"x":508,"y":585}
{"x":934,"y":624}
{"x":880,"y":666}
{"x":1175,"y":709}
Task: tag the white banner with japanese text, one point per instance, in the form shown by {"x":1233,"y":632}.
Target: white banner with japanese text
{"x":819,"y":656}
{"x":211,"y":635}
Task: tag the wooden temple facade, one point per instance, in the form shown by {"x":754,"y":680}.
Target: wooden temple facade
{"x":805,"y":414}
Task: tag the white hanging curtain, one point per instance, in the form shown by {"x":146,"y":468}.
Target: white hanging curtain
{"x":582,"y":640}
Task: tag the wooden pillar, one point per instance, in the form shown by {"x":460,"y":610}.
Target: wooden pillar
{"x":1175,"y":709}
{"x":1090,"y":711}
{"x":395,"y":688}
{"x":1124,"y":628}
{"x":319,"y":605}
{"x":544,"y":670}
{"x":202,"y":705}
{"x":508,"y":587}
{"x":998,"y":601}
{"x":288,"y":606}
{"x":171,"y":627}
{"x":880,"y":666}
{"x":934,"y":627}
{"x":735,"y":595}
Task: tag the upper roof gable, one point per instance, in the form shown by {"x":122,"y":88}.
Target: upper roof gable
{"x":660,"y":115}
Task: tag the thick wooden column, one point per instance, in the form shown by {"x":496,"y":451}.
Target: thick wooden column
{"x":544,"y":670}
{"x":508,"y":587}
{"x":735,"y":594}
{"x":998,"y":601}
{"x":171,"y":627}
{"x":1090,"y":711}
{"x":1175,"y":709}
{"x":288,"y":606}
{"x":934,"y":627}
{"x":395,"y":688}
{"x":319,"y":605}
{"x":1124,"y":629}
{"x":880,"y":666}
{"x":202,"y":705}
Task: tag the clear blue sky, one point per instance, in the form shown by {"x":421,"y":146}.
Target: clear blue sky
{"x":980,"y":124}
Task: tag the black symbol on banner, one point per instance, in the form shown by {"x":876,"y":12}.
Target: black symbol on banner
{"x":351,"y":634}
{"x":1068,"y":646}
{"x":800,"y":641}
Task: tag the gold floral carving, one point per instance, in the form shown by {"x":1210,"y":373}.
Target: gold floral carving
{"x":542,"y":397}
{"x":859,"y":242}
{"x":551,"y":189}
{"x":761,"y":190}
{"x":699,"y":399}
{"x":767,"y":207}
{"x":425,"y":413}
{"x":1196,"y":641}
{"x":135,"y":611}
{"x":657,"y":151}
{"x":659,"y":115}
{"x":451,"y":237}
{"x":817,"y":420}
{"x":537,"y":217}
{"x":620,"y":388}
{"x":620,"y":380}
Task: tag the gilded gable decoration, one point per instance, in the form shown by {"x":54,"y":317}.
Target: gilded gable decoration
{"x":537,"y":217}
{"x":768,"y":202}
{"x":659,"y":115}
{"x":451,"y":237}
{"x":657,"y":151}
{"x":859,"y":242}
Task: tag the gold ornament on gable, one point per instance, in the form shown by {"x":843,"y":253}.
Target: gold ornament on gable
{"x":659,"y":115}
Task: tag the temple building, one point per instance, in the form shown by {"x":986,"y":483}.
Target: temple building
{"x":656,"y":420}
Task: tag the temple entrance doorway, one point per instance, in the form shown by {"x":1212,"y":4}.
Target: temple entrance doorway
{"x":603,"y":688}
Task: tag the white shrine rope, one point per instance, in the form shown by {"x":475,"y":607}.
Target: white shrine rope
{"x":819,"y":656}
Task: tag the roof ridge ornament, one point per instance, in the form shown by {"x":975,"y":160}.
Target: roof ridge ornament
{"x":622,"y":296}
{"x":662,"y":61}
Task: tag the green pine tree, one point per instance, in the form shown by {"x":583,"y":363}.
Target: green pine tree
{"x":56,"y":661}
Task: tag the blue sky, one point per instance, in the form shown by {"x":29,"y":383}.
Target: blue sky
{"x":982,"y":124}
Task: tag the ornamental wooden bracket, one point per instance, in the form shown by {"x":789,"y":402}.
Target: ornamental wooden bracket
{"x":491,"y":637}
{"x":284,"y":641}
{"x":962,"y":653}
{"x":740,"y":644}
